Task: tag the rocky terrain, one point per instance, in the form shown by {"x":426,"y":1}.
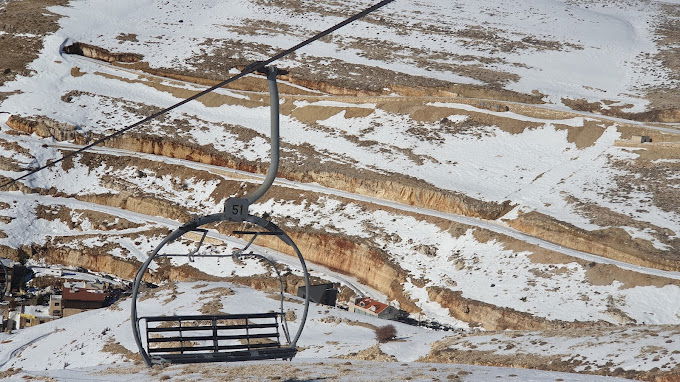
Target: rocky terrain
{"x":484,"y":170}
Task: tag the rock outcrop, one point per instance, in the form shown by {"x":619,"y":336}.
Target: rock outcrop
{"x":44,"y":127}
{"x":492,"y":317}
{"x":372,"y":267}
{"x":384,"y":187}
{"x":102,"y":54}
{"x":613,"y":243}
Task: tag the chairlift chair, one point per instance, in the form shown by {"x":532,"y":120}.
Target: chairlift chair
{"x":211,"y":337}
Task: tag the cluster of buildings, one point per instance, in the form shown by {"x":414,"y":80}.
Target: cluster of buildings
{"x":27,"y":300}
{"x":326,"y":294}
{"x":59,"y":297}
{"x":75,"y":297}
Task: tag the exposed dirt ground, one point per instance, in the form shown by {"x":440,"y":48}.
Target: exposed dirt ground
{"x":668,"y":96}
{"x":21,"y":41}
{"x":325,"y":370}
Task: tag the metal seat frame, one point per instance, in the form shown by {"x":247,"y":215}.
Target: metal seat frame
{"x":235,"y":210}
{"x":193,"y":354}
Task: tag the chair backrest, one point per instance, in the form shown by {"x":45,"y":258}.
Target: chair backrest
{"x":212,"y":333}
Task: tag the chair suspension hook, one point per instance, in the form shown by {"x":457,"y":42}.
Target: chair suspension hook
{"x":236,"y":209}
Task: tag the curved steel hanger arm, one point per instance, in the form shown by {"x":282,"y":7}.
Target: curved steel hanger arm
{"x":236,"y":209}
{"x":252,"y":197}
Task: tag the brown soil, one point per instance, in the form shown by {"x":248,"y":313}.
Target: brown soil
{"x":214,"y":305}
{"x":9,"y":372}
{"x":660,"y":139}
{"x":98,"y":53}
{"x":372,"y":353}
{"x":659,"y":181}
{"x":338,"y":320}
{"x":18,"y":46}
{"x":488,"y":358}
{"x":218,"y":291}
{"x":667,"y":115}
{"x":606,"y":274}
{"x":667,"y":97}
{"x":115,"y":347}
{"x":99,"y":221}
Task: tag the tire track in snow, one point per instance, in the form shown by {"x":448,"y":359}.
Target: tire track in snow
{"x":18,"y":350}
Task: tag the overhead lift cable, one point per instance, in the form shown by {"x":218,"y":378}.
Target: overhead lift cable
{"x":256,"y":66}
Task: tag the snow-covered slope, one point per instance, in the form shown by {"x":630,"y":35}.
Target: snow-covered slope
{"x":330,"y":370}
{"x":593,"y":50}
{"x":430,"y":252}
{"x":435,"y":165}
{"x":80,"y":340}
{"x":483,"y":154}
{"x":96,"y":340}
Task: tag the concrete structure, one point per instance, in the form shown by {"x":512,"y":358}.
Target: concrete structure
{"x":30,"y":315}
{"x":370,"y":307}
{"x":56,"y":308}
{"x":79,"y":297}
{"x":640,"y":139}
{"x":325,"y":294}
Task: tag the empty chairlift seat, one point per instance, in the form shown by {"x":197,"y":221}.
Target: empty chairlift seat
{"x":226,"y":337}
{"x":216,"y":338}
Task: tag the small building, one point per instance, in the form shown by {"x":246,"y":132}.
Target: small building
{"x":56,"y":305}
{"x":325,"y":294}
{"x":5,"y":323}
{"x":370,"y":307}
{"x":79,"y":297}
{"x":6,"y":273}
{"x":29,"y":315}
{"x":640,"y":139}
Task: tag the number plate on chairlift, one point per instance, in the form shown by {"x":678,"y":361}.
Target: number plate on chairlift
{"x":236,"y":209}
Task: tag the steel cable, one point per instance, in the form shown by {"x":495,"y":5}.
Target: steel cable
{"x":249,"y":69}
